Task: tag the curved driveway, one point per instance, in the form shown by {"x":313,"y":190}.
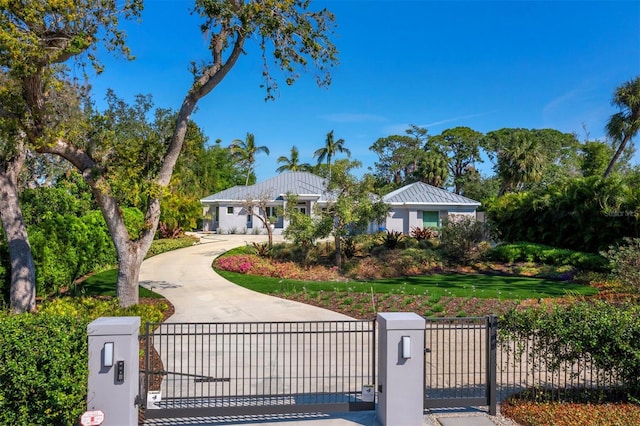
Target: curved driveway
{"x":186,"y":279}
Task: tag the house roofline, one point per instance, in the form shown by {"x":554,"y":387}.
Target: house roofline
{"x":402,"y":204}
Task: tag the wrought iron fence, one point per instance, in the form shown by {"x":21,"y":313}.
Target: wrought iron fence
{"x":250,"y":368}
{"x":468,"y":363}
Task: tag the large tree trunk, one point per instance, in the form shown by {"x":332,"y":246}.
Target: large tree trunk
{"x":129,"y":262}
{"x":23,"y":277}
{"x":130,"y":253}
{"x":338,"y":241}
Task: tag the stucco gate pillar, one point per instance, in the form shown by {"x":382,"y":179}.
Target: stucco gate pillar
{"x":114,"y":369}
{"x":400,"y":369}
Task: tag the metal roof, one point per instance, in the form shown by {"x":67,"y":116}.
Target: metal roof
{"x":299,"y":183}
{"x":308,"y":184}
{"x":422,"y":193}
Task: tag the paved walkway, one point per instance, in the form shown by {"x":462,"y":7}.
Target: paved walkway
{"x":198,"y":294}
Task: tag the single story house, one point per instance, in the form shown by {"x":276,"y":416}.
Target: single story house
{"x":413,"y":205}
{"x":421,"y":205}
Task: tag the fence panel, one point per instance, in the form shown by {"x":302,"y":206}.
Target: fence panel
{"x":459,"y":362}
{"x":259,"y":368}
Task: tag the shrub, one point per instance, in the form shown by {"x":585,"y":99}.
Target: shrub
{"x":530,"y":252}
{"x":169,"y":244}
{"x":460,"y":240}
{"x":562,"y":335}
{"x":391,"y":239}
{"x":262,"y":249}
{"x":43,"y":359}
{"x":43,"y":369}
{"x":624,"y":260}
{"x":423,"y":233}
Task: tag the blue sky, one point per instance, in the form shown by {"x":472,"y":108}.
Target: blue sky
{"x":437,"y":64}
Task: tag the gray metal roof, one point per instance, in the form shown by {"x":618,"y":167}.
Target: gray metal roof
{"x":304,"y":183}
{"x":422,"y":193}
{"x":299,"y":183}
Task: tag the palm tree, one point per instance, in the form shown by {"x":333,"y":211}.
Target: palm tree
{"x":520,"y":162}
{"x":331,"y":148}
{"x":245,"y":151}
{"x":624,"y":125}
{"x":292,"y":164}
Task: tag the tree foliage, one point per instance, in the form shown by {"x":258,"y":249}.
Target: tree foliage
{"x":330,"y":149}
{"x":292,"y":163}
{"x":244,"y":151}
{"x":352,"y":206}
{"x":625,"y":124}
{"x":584,"y":214}
{"x":293,"y":36}
{"x":462,"y":146}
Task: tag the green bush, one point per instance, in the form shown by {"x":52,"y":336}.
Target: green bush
{"x":585,"y":214}
{"x":531,"y":252}
{"x":460,"y":240}
{"x":609,"y":335}
{"x":624,"y":260}
{"x":169,"y":244}
{"x":67,"y":247}
{"x":43,"y":369}
{"x":43,"y":359}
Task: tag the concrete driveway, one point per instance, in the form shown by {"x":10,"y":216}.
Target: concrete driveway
{"x":198,"y":294}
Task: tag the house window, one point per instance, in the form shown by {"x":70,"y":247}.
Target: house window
{"x":271,"y":211}
{"x":229,"y":210}
{"x":430,"y":219}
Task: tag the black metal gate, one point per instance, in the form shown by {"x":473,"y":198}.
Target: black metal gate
{"x":221,"y":369}
{"x":460,"y":362}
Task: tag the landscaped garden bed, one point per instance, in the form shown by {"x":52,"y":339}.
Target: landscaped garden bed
{"x":430,"y":285}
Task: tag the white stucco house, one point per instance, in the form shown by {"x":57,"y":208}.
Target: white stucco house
{"x":421,"y":205}
{"x":414,"y":205}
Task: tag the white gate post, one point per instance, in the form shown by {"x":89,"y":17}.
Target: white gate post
{"x":114,"y":369}
{"x":401,"y":369}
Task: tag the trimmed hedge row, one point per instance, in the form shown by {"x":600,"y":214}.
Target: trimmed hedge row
{"x":43,"y":359}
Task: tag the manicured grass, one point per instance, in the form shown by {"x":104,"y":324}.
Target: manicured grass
{"x":455,"y":285}
{"x":104,"y":284}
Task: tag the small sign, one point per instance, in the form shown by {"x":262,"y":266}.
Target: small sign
{"x":92,"y":418}
{"x":368,"y":393}
{"x":153,"y":397}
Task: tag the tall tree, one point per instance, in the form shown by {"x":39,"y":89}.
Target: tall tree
{"x":245,"y":152}
{"x":292,"y":163}
{"x":595,"y":158}
{"x":352,"y":205}
{"x":624,"y":125}
{"x":294,"y":36}
{"x":462,"y":146}
{"x":524,"y":157}
{"x":398,"y":156}
{"x":330,"y":149}
{"x":36,"y":38}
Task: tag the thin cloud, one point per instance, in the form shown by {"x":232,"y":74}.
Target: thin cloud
{"x":400,"y":129}
{"x":561,"y":100}
{"x":353,"y":118}
{"x":453,"y":119}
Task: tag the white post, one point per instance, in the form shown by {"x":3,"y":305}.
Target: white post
{"x":114,"y":369}
{"x":400,"y":369}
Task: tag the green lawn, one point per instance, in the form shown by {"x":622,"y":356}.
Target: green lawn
{"x":458,"y":285}
{"x":104,"y":284}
